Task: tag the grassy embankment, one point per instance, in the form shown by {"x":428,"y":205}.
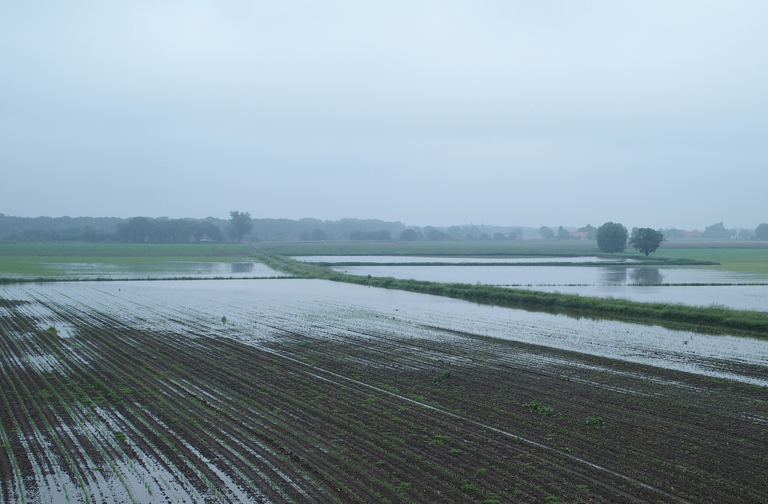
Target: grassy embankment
{"x":715,"y":320}
{"x":46,"y":260}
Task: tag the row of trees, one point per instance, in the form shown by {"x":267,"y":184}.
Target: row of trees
{"x":74,"y":234}
{"x":135,"y":230}
{"x":718,"y":232}
{"x":382,"y":235}
{"x":587,"y":232}
{"x":612,"y":237}
{"x":145,"y":230}
{"x":240,"y":226}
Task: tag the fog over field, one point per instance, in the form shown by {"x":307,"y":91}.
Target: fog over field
{"x":434,"y":113}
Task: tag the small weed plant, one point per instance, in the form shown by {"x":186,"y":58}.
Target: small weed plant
{"x":596,"y":421}
{"x":442,"y":376}
{"x":539,"y":408}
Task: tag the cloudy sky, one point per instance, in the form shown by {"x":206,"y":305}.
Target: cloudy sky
{"x":510,"y":113}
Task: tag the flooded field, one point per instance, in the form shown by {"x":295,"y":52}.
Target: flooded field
{"x":455,"y":260}
{"x":247,"y":304}
{"x":739,"y":290}
{"x":158,"y":269}
{"x":307,"y":390}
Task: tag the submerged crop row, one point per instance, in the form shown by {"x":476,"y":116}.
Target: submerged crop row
{"x":149,"y":401}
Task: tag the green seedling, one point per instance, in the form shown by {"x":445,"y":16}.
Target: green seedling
{"x":442,"y":376}
{"x":539,"y":408}
{"x":596,"y":421}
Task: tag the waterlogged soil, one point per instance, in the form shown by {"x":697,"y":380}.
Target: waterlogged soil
{"x":691,"y":286}
{"x":309,"y":391}
{"x":160,"y":269}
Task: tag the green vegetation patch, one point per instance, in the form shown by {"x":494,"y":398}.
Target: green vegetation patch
{"x":539,"y":408}
{"x":749,"y":260}
{"x":596,"y":421}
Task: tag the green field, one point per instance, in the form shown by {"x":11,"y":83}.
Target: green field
{"x":752,"y":260}
{"x":526,"y":248}
{"x":53,"y":259}
{"x":41,"y":259}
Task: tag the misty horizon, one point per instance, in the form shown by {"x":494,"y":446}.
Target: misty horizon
{"x":649,"y":114}
{"x":108,"y":223}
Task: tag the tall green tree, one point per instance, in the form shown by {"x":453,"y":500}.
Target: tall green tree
{"x":611,"y":237}
{"x":646,"y":240}
{"x":762,"y":231}
{"x":239,"y":225}
{"x":546,"y":233}
{"x":717,"y":231}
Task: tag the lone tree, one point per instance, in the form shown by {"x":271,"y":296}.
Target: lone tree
{"x":239,"y":225}
{"x":546,"y":233}
{"x":611,"y":237}
{"x":762,"y":231}
{"x":646,"y":240}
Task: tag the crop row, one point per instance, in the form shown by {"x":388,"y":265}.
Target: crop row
{"x":157,"y":402}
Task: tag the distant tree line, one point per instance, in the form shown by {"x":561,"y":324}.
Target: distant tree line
{"x":373,"y":235}
{"x":241,"y":227}
{"x":718,"y":232}
{"x":145,"y":230}
{"x":74,"y":234}
{"x":164,"y":230}
{"x":135,"y":230}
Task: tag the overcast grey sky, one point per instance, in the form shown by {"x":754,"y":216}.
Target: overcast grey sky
{"x":511,"y":113}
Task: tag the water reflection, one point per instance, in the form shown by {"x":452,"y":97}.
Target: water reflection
{"x":241,"y":267}
{"x":160,"y":269}
{"x":646,"y":276}
{"x":614,"y":275}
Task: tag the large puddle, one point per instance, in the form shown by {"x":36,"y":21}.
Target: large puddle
{"x":161,"y":269}
{"x":258,"y":310}
{"x":455,"y":260}
{"x":638,"y":283}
